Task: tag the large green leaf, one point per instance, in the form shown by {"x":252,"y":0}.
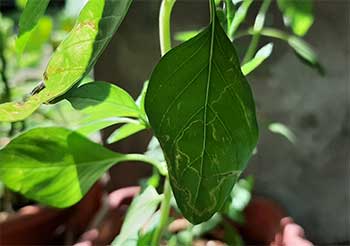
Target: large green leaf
{"x":56,"y":166}
{"x":201,"y":109}
{"x":140,"y":211}
{"x":33,"y":11}
{"x":298,"y":14}
{"x":75,"y":56}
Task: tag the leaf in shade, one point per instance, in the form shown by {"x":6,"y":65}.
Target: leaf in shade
{"x":140,"y":211}
{"x":202,"y":111}
{"x":32,"y":13}
{"x":75,"y":56}
{"x":259,"y":58}
{"x":101,"y":100}
{"x":56,"y":166}
{"x":297,"y":14}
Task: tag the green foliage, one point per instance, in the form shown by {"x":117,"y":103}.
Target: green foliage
{"x":239,"y":17}
{"x":297,"y":14}
{"x":140,"y":211}
{"x":259,"y":57}
{"x":283,"y":130}
{"x":198,"y":100}
{"x":74,"y":57}
{"x":126,"y":131}
{"x":28,"y":23}
{"x":100,"y":100}
{"x":198,"y":103}
{"x":54,"y":165}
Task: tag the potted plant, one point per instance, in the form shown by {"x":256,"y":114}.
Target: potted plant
{"x":198,"y":104}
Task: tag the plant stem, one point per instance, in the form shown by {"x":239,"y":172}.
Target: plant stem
{"x":7,"y":92}
{"x":164,"y":213}
{"x":164,"y":25}
{"x":165,"y":45}
{"x":139,"y":157}
{"x":258,"y":25}
{"x":229,"y":15}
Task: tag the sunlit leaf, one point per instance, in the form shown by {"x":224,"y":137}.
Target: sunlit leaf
{"x":40,"y":35}
{"x":202,"y":111}
{"x":283,"y":130}
{"x":139,"y":212}
{"x":298,"y":14}
{"x":125,"y":131}
{"x":54,"y":166}
{"x":92,"y":126}
{"x":239,"y":17}
{"x":57,"y":166}
{"x":32,"y":13}
{"x":259,"y":57}
{"x":75,"y":56}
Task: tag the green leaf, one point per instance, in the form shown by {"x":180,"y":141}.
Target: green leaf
{"x":75,"y":56}
{"x":101,"y":100}
{"x":40,"y":35}
{"x":32,"y":13}
{"x":56,"y":166}
{"x":87,"y":128}
{"x":239,"y":17}
{"x":202,"y":111}
{"x":283,"y":130}
{"x":125,"y":131}
{"x":140,"y":211}
{"x":305,"y":53}
{"x":259,"y":57}
{"x":140,"y":102}
{"x":297,"y":14}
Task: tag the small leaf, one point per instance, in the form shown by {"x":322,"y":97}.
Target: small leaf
{"x":125,"y":131}
{"x":239,"y":17}
{"x":32,"y":13}
{"x":140,"y":102}
{"x":260,"y":56}
{"x":75,"y":56}
{"x":305,"y":53}
{"x":202,"y":111}
{"x":92,"y":126}
{"x":297,"y":14}
{"x":101,"y":100}
{"x":283,"y":130}
{"x":140,"y":211}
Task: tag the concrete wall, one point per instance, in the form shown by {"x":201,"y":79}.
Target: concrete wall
{"x":309,"y":178}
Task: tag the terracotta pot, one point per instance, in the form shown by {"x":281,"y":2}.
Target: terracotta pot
{"x":100,"y":217}
{"x":263,"y":218}
{"x":36,"y":225}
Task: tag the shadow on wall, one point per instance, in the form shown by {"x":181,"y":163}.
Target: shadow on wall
{"x":309,"y":177}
